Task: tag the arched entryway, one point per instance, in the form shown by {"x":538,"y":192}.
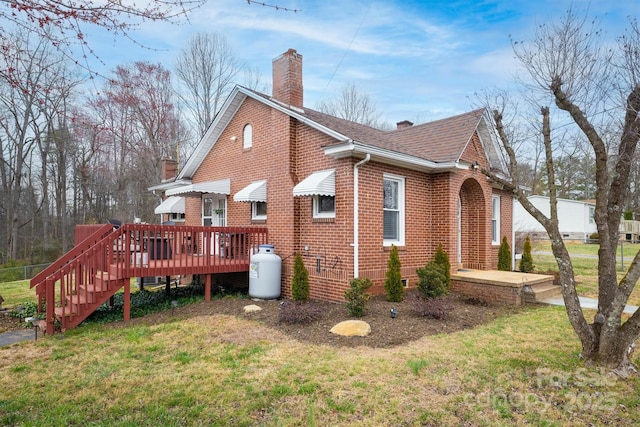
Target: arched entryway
{"x":472,"y":226}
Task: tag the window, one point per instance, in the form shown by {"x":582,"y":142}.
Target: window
{"x":495,"y":220}
{"x":247,"y":136}
{"x":324,"y":207}
{"x":175,"y":216}
{"x":259,"y":210}
{"x":592,"y":212}
{"x":393,"y":210}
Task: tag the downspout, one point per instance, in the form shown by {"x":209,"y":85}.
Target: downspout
{"x":356,"y":219}
{"x":513,"y":234}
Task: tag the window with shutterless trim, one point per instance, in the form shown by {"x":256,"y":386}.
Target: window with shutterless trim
{"x":247,"y":136}
{"x":495,"y":220}
{"x":393,"y":210}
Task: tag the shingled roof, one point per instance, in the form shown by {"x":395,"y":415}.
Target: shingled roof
{"x":438,"y":141}
{"x":435,"y":145}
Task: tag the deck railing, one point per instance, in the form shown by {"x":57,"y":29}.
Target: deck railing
{"x":88,"y":275}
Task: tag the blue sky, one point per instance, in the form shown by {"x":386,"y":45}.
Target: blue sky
{"x":418,"y":60}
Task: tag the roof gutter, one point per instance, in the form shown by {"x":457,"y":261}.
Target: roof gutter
{"x":351,"y":148}
{"x":356,"y":217}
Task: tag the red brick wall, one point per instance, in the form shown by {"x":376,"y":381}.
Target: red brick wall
{"x":287,"y":78}
{"x":487,"y":292}
{"x":284,"y":152}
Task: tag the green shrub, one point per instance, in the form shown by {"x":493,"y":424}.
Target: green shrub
{"x":393,"y":283}
{"x":504,"y":256}
{"x":432,"y":281}
{"x":357,"y":297}
{"x":300,"y":280}
{"x":594,"y":237}
{"x":30,"y":309}
{"x":442,"y":259}
{"x":526,"y":262}
{"x":627,"y":215}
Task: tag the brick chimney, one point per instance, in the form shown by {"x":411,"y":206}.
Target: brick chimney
{"x":404,"y":124}
{"x":287,"y":78}
{"x":169,"y":169}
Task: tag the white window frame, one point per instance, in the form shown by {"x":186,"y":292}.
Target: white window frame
{"x":254,"y":211}
{"x":400,"y":241}
{"x":316,"y":208}
{"x":247,"y":136}
{"x":592,"y":214}
{"x":495,"y":220}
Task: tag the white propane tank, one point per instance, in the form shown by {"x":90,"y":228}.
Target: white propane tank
{"x":265,"y":269}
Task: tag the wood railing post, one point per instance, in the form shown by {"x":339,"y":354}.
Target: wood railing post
{"x":127,"y":300}
{"x":51,"y":305}
{"x":207,"y":287}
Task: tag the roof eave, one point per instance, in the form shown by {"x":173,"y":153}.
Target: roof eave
{"x":381,"y":155}
{"x":167,"y":185}
{"x":226,"y":114}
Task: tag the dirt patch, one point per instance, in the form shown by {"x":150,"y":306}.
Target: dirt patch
{"x":386,"y":331}
{"x":9,"y":323}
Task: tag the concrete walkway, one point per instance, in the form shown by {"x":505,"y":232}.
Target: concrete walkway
{"x":586,"y":303}
{"x":12,"y":337}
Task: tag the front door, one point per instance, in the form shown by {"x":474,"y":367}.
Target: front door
{"x":214,"y":213}
{"x":214,"y":210}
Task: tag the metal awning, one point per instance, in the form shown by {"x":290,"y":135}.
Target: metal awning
{"x":254,"y":192}
{"x":321,"y":183}
{"x":172,"y":204}
{"x":222,"y":186}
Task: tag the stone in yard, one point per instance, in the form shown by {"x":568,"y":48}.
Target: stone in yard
{"x":352,"y":328}
{"x":251,"y":308}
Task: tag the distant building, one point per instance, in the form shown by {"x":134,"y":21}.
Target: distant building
{"x":575,"y":219}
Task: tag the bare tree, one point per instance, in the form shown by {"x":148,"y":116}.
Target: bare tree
{"x":353,"y":105}
{"x":29,"y":107}
{"x":64,"y":22}
{"x":206,"y":67}
{"x":595,"y":85}
{"x":135,"y":124}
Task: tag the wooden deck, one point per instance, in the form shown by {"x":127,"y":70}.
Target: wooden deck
{"x":106,"y":257}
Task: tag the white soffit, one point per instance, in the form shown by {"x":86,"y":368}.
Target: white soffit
{"x":254,"y":192}
{"x":173,"y":204}
{"x":321,"y":183}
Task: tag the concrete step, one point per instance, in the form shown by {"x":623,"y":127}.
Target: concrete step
{"x":544,"y":291}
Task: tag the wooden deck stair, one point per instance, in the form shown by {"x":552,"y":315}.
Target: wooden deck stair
{"x":104,"y":262}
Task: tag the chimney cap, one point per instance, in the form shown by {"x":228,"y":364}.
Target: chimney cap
{"x":404,"y":124}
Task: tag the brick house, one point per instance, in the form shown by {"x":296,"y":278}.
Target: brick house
{"x":340,"y":193}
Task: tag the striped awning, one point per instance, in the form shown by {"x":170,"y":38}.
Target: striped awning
{"x":254,"y":192}
{"x":222,"y":186}
{"x":172,"y":204}
{"x":321,"y":183}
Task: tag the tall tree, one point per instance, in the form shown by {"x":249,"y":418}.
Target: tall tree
{"x":32,"y":89}
{"x":597,"y":86}
{"x":353,"y":105}
{"x":206,"y":67}
{"x":138,"y":126}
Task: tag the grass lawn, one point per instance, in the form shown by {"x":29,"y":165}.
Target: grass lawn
{"x":585,"y":265}
{"x":216,"y":370}
{"x":521,"y":369}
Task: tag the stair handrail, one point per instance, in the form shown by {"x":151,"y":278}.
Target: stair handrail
{"x":72,"y":254}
